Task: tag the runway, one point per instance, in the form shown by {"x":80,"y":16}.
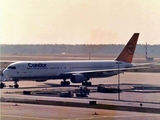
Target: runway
{"x":149,"y":99}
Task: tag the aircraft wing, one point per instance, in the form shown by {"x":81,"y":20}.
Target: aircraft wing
{"x":103,"y":71}
{"x":144,"y":64}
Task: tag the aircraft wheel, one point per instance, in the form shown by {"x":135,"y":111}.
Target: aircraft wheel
{"x":2,"y":85}
{"x":84,"y":83}
{"x":67,"y":83}
{"x":89,"y":83}
{"x":16,"y":86}
{"x":62,"y":83}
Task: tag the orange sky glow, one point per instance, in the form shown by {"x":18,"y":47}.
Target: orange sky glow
{"x":79,"y":21}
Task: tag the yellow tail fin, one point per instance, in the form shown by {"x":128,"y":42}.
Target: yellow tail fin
{"x":127,"y":53}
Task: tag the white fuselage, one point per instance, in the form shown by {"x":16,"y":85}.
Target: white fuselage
{"x":44,"y":70}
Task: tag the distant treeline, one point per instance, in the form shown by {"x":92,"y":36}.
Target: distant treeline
{"x":153,"y":50}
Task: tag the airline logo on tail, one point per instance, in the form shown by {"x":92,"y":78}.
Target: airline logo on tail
{"x":130,"y":48}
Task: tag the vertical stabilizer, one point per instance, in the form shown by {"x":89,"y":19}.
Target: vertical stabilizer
{"x":127,"y":53}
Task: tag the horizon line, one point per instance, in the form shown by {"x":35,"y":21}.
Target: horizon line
{"x":76,"y":44}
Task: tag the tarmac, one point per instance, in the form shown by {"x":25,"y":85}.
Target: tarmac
{"x":10,"y":111}
{"x":137,"y":88}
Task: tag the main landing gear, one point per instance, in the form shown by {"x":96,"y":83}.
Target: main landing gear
{"x":65,"y":83}
{"x":2,"y":85}
{"x":85,"y":83}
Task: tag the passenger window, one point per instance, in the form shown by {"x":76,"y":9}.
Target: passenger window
{"x":11,"y":67}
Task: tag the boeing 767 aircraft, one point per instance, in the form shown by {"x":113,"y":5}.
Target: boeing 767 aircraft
{"x":76,"y":71}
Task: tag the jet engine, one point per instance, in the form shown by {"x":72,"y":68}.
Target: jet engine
{"x":78,"y":78}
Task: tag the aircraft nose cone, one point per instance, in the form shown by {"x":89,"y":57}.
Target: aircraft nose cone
{"x":5,"y":72}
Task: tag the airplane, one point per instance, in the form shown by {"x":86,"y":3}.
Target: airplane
{"x":79,"y":71}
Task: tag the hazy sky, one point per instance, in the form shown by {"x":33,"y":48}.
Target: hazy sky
{"x":79,"y":21}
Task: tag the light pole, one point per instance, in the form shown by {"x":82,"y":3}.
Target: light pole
{"x":118,"y":80}
{"x":89,"y":56}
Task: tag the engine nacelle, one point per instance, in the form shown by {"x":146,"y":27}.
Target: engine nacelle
{"x":78,"y":78}
{"x":40,"y":80}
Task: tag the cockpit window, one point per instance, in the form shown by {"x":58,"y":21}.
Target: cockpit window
{"x":11,"y":67}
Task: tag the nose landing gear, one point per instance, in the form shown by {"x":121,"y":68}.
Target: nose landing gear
{"x":16,"y":84}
